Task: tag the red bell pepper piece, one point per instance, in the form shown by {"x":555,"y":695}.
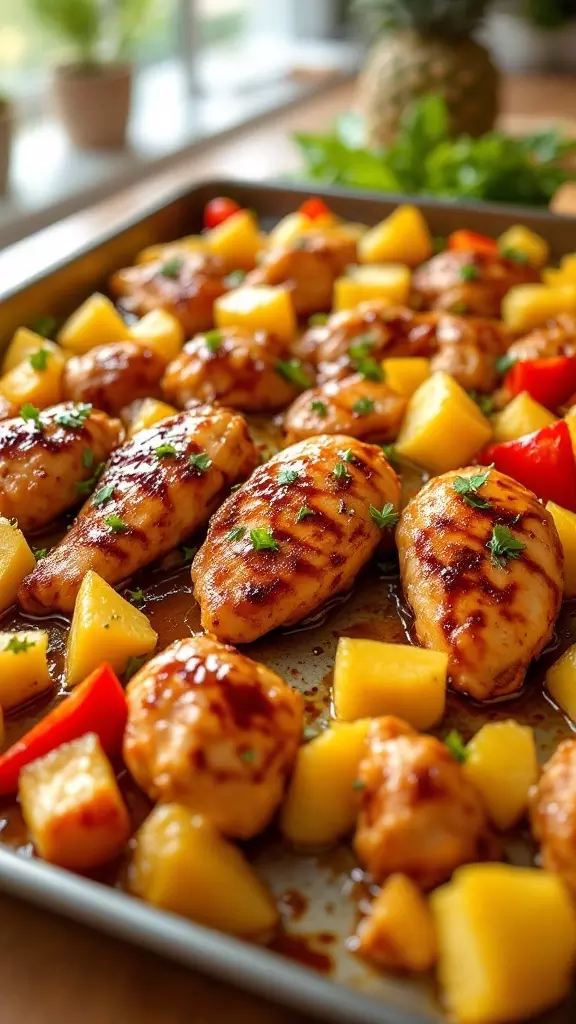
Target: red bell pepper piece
{"x":314,"y":207}
{"x":470,"y":241}
{"x":550,"y":381}
{"x":96,"y":705}
{"x":543,"y":461}
{"x":218,"y":210}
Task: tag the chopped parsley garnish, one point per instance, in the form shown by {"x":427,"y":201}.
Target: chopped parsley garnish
{"x":44,"y":325}
{"x":348,"y":456}
{"x":503,"y":545}
{"x":213,"y":340}
{"x":369,"y":368}
{"x":468,"y":272}
{"x":88,"y":458}
{"x":30,"y":412}
{"x":133,"y":665}
{"x":320,"y":408}
{"x":165,"y":451}
{"x":201,"y":461}
{"x":293,"y":371}
{"x":317,"y":319}
{"x":103,"y":494}
{"x":39,"y":553}
{"x":456,"y":745}
{"x":363,"y":407}
{"x":236,"y":533}
{"x":288,"y":476}
{"x":263,"y":539}
{"x":136,"y":596}
{"x":516,"y":255}
{"x":188,"y":553}
{"x":361,"y":347}
{"x":247,"y":755}
{"x":505,"y":363}
{"x":390,"y":453}
{"x":85,"y":487}
{"x":459,"y":308}
{"x":234,"y":278}
{"x":116,"y":524}
{"x":387,"y":516}
{"x":468,"y":486}
{"x":39,"y":359}
{"x":304,"y":512}
{"x":484,"y":402}
{"x":172,"y":267}
{"x":358,"y":784}
{"x":75,"y":417}
{"x":19,"y":646}
{"x":340,"y":471}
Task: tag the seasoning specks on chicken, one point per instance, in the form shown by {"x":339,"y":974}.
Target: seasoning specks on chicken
{"x":307,"y":268}
{"x":360,"y":408}
{"x":112,"y":376}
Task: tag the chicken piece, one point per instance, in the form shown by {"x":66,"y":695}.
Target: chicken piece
{"x":46,"y":462}
{"x":361,"y":408}
{"x":419,"y":814}
{"x":308,"y":268}
{"x":491,"y":614}
{"x":469,"y":282}
{"x":468,"y":349}
{"x":7,"y":409}
{"x":156,"y":490}
{"x":371,"y":331}
{"x":297,"y":533}
{"x":233,"y":367}
{"x":553,"y":813}
{"x":212,"y":729}
{"x":556,"y":338}
{"x":112,"y":376}
{"x":186,"y":285}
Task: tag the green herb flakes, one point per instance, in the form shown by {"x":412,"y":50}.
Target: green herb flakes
{"x":263,"y":539}
{"x":116,"y":524}
{"x":468,"y":486}
{"x":201,"y":461}
{"x":503,"y":546}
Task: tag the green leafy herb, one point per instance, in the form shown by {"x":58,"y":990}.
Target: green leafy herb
{"x":85,"y":487}
{"x":116,"y":524}
{"x":468,"y":486}
{"x":348,"y":456}
{"x":263,"y":539}
{"x":39,"y":359}
{"x":288,"y":476}
{"x":136,"y":596}
{"x":213,"y":340}
{"x":484,"y":402}
{"x":390,"y":453}
{"x":317,"y":319}
{"x":516,"y":255}
{"x":358,"y":784}
{"x":39,"y":553}
{"x":503,"y":545}
{"x":44,"y":325}
{"x":505,"y":363}
{"x":201,"y":461}
{"x":103,"y":494}
{"x":363,"y":407}
{"x":468,"y":272}
{"x":386,"y":517}
{"x":172,"y":267}
{"x":188,"y":553}
{"x":234,"y":278}
{"x":236,"y":533}
{"x":247,"y":755}
{"x":74,"y":417}
{"x":133,"y":665}
{"x":361,"y":347}
{"x":30,"y":412}
{"x":368,"y":367}
{"x":340,"y":471}
{"x":88,"y":458}
{"x":320,"y":408}
{"x":165,"y":451}
{"x":456,"y":745}
{"x":293,"y":371}
{"x":304,"y":512}
{"x":19,"y":646}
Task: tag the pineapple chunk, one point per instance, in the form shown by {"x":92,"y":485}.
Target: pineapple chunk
{"x":182,"y":864}
{"x":23,"y":345}
{"x":398,"y":933}
{"x":149,"y":411}
{"x":523,"y":415}
{"x":403,"y":237}
{"x":236,"y":241}
{"x":161,"y":332}
{"x":16,"y":561}
{"x":405,"y":375}
{"x":561,"y":682}
{"x":564,"y":274}
{"x":565,"y":523}
{"x":167,"y":250}
{"x":23,"y":667}
{"x":321,"y":804}
{"x":375,"y":281}
{"x":258,"y":308}
{"x":95,"y":322}
{"x":104,"y":621}
{"x":38,"y":379}
{"x":506,"y":942}
{"x":503,"y":765}
{"x":443,"y":428}
{"x":530,"y":305}
{"x":295,"y":225}
{"x":373,"y":678}
{"x":519,"y":239}
{"x":72,"y":805}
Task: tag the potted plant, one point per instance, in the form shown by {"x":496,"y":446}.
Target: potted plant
{"x":6,"y":125}
{"x":93,"y":90}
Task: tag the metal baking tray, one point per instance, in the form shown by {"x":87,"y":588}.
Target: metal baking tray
{"x":317,"y":891}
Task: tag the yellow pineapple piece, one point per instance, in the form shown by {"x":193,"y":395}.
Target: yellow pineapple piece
{"x":523,"y":415}
{"x":398,"y":933}
{"x":148,"y":412}
{"x":38,"y":379}
{"x":373,"y":281}
{"x":95,"y":322}
{"x":161,"y":332}
{"x":521,"y":240}
{"x":405,"y":374}
{"x":16,"y":561}
{"x":236,"y":241}
{"x":565,"y":523}
{"x":530,"y":305}
{"x":403,"y":237}
{"x":295,"y":225}
{"x":564,"y":274}
{"x":561,"y":682}
{"x":23,"y":345}
{"x":502,"y":763}
{"x":23,"y":666}
{"x":258,"y":308}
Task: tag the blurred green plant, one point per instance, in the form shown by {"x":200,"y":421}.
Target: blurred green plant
{"x":97,"y":32}
{"x":425,"y":160}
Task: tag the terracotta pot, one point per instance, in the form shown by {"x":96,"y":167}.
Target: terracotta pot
{"x":94,"y":103}
{"x":6,"y":126}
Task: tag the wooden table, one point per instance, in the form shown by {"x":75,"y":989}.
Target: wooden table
{"x":53,"y":971}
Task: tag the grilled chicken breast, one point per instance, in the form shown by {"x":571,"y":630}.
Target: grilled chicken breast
{"x":553,"y":813}
{"x":419,"y":814}
{"x":156,"y":490}
{"x":214,"y":730}
{"x":112,"y":376}
{"x":297,"y":533}
{"x":491,"y":614}
{"x":308,"y":268}
{"x":467,"y":349}
{"x":361,"y":408}
{"x":556,"y":338}
{"x":469,"y":282}
{"x":233,"y":367}
{"x":186,"y":285}
{"x":46,"y":462}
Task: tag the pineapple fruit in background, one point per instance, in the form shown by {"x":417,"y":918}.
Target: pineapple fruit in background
{"x":425,"y":46}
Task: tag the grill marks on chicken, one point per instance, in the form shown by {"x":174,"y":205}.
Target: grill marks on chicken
{"x":469,"y":282}
{"x":113,"y":376}
{"x":361,"y":408}
{"x":307,"y":268}
{"x":44,"y":462}
{"x":156,"y":490}
{"x":312,"y":502}
{"x":490,"y":619}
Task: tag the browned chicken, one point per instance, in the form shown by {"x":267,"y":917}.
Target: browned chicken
{"x":212,"y":729}
{"x":419,"y":814}
{"x":361,"y":408}
{"x":468,"y":348}
{"x":297,"y":533}
{"x":482,"y":571}
{"x":233,"y":367}
{"x":553,"y":813}
{"x":187,"y":286}
{"x":308,"y":268}
{"x":112,"y":376}
{"x":48,"y":461}
{"x":157,"y":489}
{"x":556,"y":338}
{"x":469,"y":282}
{"x":7,"y":410}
